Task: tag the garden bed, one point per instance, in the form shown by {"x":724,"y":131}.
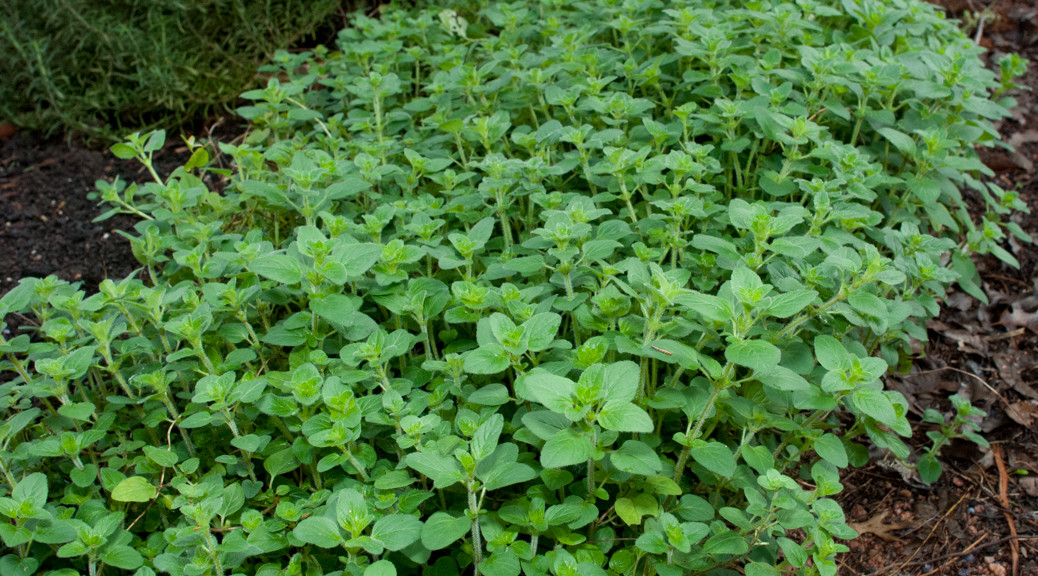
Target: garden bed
{"x":986,"y":352}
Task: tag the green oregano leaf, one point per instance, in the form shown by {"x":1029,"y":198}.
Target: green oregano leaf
{"x":566,"y":448}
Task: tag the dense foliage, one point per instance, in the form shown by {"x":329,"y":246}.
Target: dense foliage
{"x":569,"y":288}
{"x":95,"y":67}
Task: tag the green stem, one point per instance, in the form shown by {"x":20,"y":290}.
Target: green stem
{"x":356,"y":464}
{"x":627,"y":199}
{"x":861,"y":119}
{"x":18,"y":367}
{"x":839,"y":297}
{"x":806,"y":425}
{"x":176,"y":419}
{"x":383,"y":377}
{"x":506,"y":228}
{"x":234,"y":430}
{"x":7,"y":473}
{"x":146,"y":160}
{"x":477,"y":544}
{"x":200,"y":352}
{"x":679,"y":469}
{"x":590,"y":476}
{"x":461,"y":149}
{"x":213,"y":552}
{"x":378,"y":127}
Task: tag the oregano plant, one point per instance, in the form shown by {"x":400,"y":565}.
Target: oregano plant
{"x":557,"y":288}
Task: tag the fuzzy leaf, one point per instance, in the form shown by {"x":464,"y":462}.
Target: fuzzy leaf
{"x":637,"y":458}
{"x":133,"y":489}
{"x":566,"y":448}
{"x":484,"y":440}
{"x":380,"y":568}
{"x":715,"y":457}
{"x":790,"y":303}
{"x":397,"y":531}
{"x":622,"y":416}
{"x":319,"y":531}
{"x":487,"y":359}
{"x":831,"y":449}
{"x":726,"y":543}
{"x":757,"y":354}
{"x":554,"y":392}
{"x":443,"y":471}
{"x":277,"y":267}
{"x":441,"y":530}
{"x":122,"y":557}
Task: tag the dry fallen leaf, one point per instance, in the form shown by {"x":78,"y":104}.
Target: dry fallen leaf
{"x":1021,"y":412}
{"x":1029,"y":484}
{"x":1016,"y":140}
{"x":876,"y":526}
{"x":1009,"y":368}
{"x":1019,"y":317}
{"x":966,"y":341}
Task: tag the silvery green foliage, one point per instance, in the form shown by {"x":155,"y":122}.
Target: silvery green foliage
{"x":568,"y":288}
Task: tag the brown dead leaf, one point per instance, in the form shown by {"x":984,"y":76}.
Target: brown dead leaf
{"x":1022,"y":413}
{"x":1009,"y":369}
{"x":1016,"y":140}
{"x":961,"y":301}
{"x":1029,"y":484}
{"x":967,"y":341}
{"x":1019,"y":317}
{"x":876,"y":526}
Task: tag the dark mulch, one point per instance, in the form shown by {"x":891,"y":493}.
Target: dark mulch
{"x":47,"y":217}
{"x":47,"y":214}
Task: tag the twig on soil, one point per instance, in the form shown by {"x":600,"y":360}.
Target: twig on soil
{"x":1007,"y":335}
{"x":956,"y":555}
{"x":1003,"y":489}
{"x":1007,"y":279}
{"x":971,"y":375}
{"x":951,"y":557}
{"x":980,"y":29}
{"x":932,"y":530}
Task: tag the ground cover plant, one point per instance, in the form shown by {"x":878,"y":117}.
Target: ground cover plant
{"x":579,"y":288}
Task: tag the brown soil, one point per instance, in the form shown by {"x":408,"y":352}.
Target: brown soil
{"x":980,"y":518}
{"x":47,"y":223}
{"x":47,"y":212}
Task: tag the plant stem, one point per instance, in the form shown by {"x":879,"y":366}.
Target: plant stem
{"x":234,"y":430}
{"x":679,"y":469}
{"x":590,"y":476}
{"x":477,"y":544}
{"x":176,"y":418}
{"x":355,"y":463}
{"x":7,"y":473}
{"x":213,"y":553}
